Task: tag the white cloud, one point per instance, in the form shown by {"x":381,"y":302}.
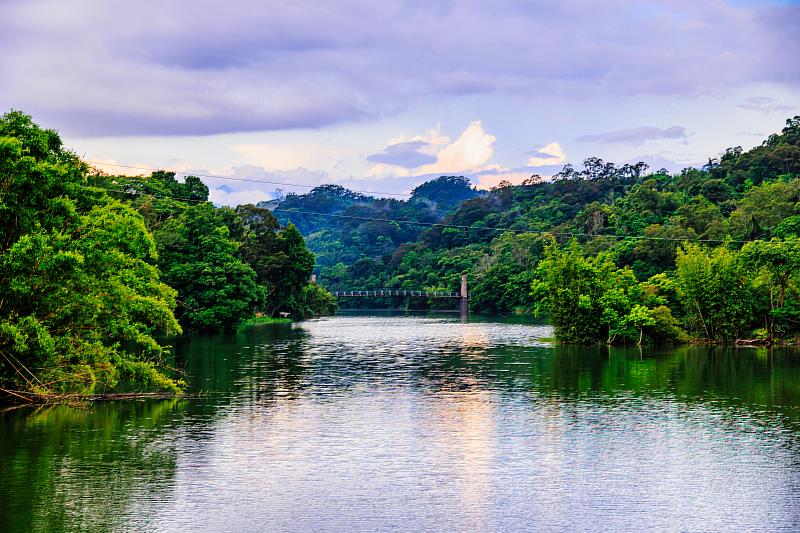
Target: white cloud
{"x":382,"y":170}
{"x":487,"y":181}
{"x":274,"y":157}
{"x":549,"y":154}
{"x":112,"y":166}
{"x":434,"y":140}
{"x":469,"y":153}
{"x":233,"y":198}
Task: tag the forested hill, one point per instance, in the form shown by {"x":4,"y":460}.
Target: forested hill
{"x":363,"y":225}
{"x":639,"y":217}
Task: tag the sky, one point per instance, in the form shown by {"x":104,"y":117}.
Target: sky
{"x":384,"y":95}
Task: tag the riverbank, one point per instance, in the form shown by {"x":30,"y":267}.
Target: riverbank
{"x":264,"y":320}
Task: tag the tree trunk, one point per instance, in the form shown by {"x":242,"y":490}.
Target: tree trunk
{"x":702,"y":320}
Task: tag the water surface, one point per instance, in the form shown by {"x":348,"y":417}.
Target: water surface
{"x":363,"y":423}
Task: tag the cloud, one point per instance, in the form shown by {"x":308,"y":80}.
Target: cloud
{"x":492,"y":177}
{"x":487,"y":181}
{"x":469,"y":153}
{"x":404,"y":154}
{"x":433,"y":140}
{"x":233,"y":197}
{"x":636,"y":135}
{"x":549,"y":154}
{"x":272,"y":156}
{"x":765,"y":104}
{"x":250,"y":184}
{"x":114,"y":167}
{"x":191,"y":67}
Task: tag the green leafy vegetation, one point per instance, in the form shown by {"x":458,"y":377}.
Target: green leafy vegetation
{"x":93,"y":268}
{"x":609,"y":253}
{"x":96,"y":267}
{"x":264,"y":320}
{"x":78,"y":276}
{"x":227,"y":265}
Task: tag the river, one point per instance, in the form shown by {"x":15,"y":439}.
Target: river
{"x":392,"y":422}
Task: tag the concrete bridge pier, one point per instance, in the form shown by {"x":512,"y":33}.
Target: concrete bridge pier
{"x":464,"y":297}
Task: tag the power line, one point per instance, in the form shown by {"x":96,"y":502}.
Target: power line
{"x":248,"y":180}
{"x":164,"y":196}
{"x":290,"y":210}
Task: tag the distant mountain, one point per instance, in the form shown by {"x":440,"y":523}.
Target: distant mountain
{"x":363,"y":225}
{"x":445,"y":192}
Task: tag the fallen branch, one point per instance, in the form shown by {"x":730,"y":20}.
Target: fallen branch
{"x":49,"y":398}
{"x":18,"y":394}
{"x":753,"y":342}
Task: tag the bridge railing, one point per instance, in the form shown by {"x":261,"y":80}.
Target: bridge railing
{"x":383,"y":293}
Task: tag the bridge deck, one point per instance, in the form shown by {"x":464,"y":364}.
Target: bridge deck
{"x":378,"y":293}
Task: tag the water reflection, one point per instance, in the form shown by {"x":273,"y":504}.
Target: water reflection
{"x":386,"y":422}
{"x":75,"y":468}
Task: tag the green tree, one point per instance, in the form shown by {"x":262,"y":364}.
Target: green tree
{"x":216,"y":289}
{"x":715,"y":291}
{"x":80,"y":296}
{"x":775,"y":264}
{"x":639,"y":317}
{"x":569,"y":288}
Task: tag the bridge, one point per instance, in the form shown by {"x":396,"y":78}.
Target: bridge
{"x":462,"y":295}
{"x":378,"y":293}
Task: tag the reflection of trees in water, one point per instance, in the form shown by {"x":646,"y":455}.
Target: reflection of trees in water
{"x":255,"y":363}
{"x":80,"y":469}
{"x":264,"y":364}
{"x":747,"y":378}
{"x":72,"y":469}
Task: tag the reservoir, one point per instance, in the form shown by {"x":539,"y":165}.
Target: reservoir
{"x":376,"y":422}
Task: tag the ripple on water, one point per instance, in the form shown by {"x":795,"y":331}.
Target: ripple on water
{"x":362,"y":423}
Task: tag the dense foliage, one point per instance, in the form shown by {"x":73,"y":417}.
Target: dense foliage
{"x":77,"y":275}
{"x":710,"y":253}
{"x":93,"y":266}
{"x":226,"y":264}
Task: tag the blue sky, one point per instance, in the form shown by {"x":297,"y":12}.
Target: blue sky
{"x":383,"y":95}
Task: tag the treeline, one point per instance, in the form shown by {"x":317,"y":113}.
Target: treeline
{"x":224,"y":263}
{"x":722,"y":294}
{"x":609,"y":253}
{"x":340,"y":240}
{"x":93,"y":267}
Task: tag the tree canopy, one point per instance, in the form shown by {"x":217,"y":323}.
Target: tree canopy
{"x":95,"y":267}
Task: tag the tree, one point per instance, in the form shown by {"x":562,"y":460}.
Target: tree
{"x":80,"y":296}
{"x":216,"y":289}
{"x":764,"y":207}
{"x":287,"y":271}
{"x":446,"y":192}
{"x":774,"y":264}
{"x":589,"y":299}
{"x":569,"y":288}
{"x":714,"y":290}
{"x":639,"y":317}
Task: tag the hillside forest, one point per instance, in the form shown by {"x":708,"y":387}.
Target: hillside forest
{"x":606,"y":253}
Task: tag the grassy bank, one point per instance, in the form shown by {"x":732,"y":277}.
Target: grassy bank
{"x":263,"y":320}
